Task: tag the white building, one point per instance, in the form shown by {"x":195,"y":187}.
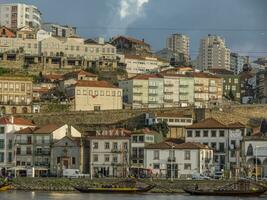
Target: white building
{"x":8,"y":126}
{"x":142,"y":65}
{"x":17,"y":15}
{"x":255,"y":150}
{"x":109,"y":153}
{"x":179,"y":43}
{"x":225,"y":140}
{"x":213,"y":53}
{"x":167,"y":159}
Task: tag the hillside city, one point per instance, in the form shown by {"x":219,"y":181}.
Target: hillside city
{"x":113,"y":107}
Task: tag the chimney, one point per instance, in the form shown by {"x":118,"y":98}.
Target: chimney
{"x":143,"y":40}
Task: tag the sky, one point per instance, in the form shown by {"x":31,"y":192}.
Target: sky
{"x":241,"y":22}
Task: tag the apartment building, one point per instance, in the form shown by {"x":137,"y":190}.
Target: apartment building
{"x":237,"y":62}
{"x":58,"y":30}
{"x":17,"y":15}
{"x":231,"y":84}
{"x":110,"y":153}
{"x":143,"y":91}
{"x":94,"y":95}
{"x":15,"y":94}
{"x":174,"y":58}
{"x":8,"y":126}
{"x":225,"y":140}
{"x":179,"y":43}
{"x":142,"y":64}
{"x":213,"y":53}
{"x":171,"y":160}
{"x":129,"y":45}
{"x":261,"y":86}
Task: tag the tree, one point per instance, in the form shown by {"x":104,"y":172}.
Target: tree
{"x":161,"y":128}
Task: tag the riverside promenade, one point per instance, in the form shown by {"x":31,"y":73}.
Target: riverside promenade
{"x":64,"y":184}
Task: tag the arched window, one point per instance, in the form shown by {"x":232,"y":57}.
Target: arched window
{"x":14,"y":110}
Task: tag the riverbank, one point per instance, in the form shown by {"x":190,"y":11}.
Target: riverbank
{"x":63,"y":184}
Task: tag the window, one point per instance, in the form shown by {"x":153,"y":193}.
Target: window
{"x":95,"y":145}
{"x":213,"y":134}
{"x":205,"y":133}
{"x":197,"y":134}
{"x":2,"y":144}
{"x":141,"y":138}
{"x":2,"y":130}
{"x":156,"y":166}
{"x":233,"y":144}
{"x":73,"y":161}
{"x":29,"y":139}
{"x":189,"y":133}
{"x":187,"y":155}
{"x":156,"y":155}
{"x":107,"y":145}
{"x":221,"y":147}
{"x":108,"y":93}
{"x":10,"y":144}
{"x":95,"y":158}
{"x":213,"y":145}
{"x":9,"y":157}
{"x":2,"y":158}
{"x":221,"y":133}
{"x":115,"y":159}
{"x":113,"y":93}
{"x":135,"y":139}
{"x":106,"y":158}
{"x":115,"y":145}
{"x":18,"y":151}
{"x":125,"y":146}
{"x":187,"y":166}
{"x":58,"y":160}
{"x":28,"y":150}
{"x":101,"y":93}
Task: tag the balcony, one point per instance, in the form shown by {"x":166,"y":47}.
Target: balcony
{"x":137,"y":93}
{"x":23,"y":142}
{"x":153,"y":101}
{"x":168,"y":100}
{"x":171,"y":159}
{"x":152,"y":94}
{"x":168,"y":92}
{"x":184,"y":86}
{"x":153,"y":86}
{"x":137,"y":101}
{"x":199,"y":84}
{"x":42,"y":153}
{"x":184,"y":93}
{"x":168,"y":84}
{"x":41,"y":164}
{"x":137,"y":86}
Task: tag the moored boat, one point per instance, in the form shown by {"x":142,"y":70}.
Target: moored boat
{"x":113,"y":189}
{"x":4,"y":188}
{"x":239,"y":188}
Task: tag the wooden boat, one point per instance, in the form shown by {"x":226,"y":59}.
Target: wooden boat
{"x":4,"y":188}
{"x":239,"y":188}
{"x":225,"y":192}
{"x":115,"y":189}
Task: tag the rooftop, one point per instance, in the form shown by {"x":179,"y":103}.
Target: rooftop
{"x":15,"y":121}
{"x":78,"y":73}
{"x":145,"y":76}
{"x":102,"y":84}
{"x":172,"y":145}
{"x":212,"y":123}
{"x":131,"y":39}
{"x":47,"y":129}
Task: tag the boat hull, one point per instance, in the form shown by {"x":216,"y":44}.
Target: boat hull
{"x":114,"y":190}
{"x":224,"y":193}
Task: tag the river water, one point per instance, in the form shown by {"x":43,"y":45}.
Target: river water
{"x":20,"y":195}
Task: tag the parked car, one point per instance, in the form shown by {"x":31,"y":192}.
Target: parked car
{"x":218,"y":175}
{"x":73,"y":173}
{"x":200,"y":177}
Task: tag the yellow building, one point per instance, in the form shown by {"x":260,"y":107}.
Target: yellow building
{"x":94,"y":95}
{"x":15,"y":94}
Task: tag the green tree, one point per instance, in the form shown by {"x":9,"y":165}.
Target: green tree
{"x":161,"y":128}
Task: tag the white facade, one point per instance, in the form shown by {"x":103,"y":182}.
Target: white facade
{"x":109,"y":154}
{"x":213,"y":53}
{"x":8,"y":127}
{"x":179,"y":43}
{"x":142,"y":65}
{"x":19,"y":15}
{"x":178,"y":162}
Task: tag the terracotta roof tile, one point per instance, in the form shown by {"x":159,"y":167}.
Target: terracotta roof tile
{"x":171,"y":145}
{"x":28,"y":130}
{"x":145,"y":76}
{"x":236,"y":125}
{"x":53,"y":76}
{"x":133,"y":40}
{"x":16,"y":121}
{"x":207,"y":123}
{"x":47,"y":129}
{"x":144,"y":131}
{"x":103,"y":84}
{"x":79,"y":72}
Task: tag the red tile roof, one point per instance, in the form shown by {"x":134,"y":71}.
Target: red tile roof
{"x":221,"y":71}
{"x":47,"y":129}
{"x":103,"y":84}
{"x":131,"y":39}
{"x":52,"y":77}
{"x":145,"y":76}
{"x":28,"y":130}
{"x":144,"y":131}
{"x":77,"y":73}
{"x":207,"y":123}
{"x":16,"y":121}
{"x":236,"y":125}
{"x":171,"y":145}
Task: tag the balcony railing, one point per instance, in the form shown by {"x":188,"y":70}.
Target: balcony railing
{"x":42,"y":153}
{"x":168,"y":85}
{"x":137,"y":86}
{"x":168,"y":100}
{"x":153,"y":94}
{"x":171,"y":159}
